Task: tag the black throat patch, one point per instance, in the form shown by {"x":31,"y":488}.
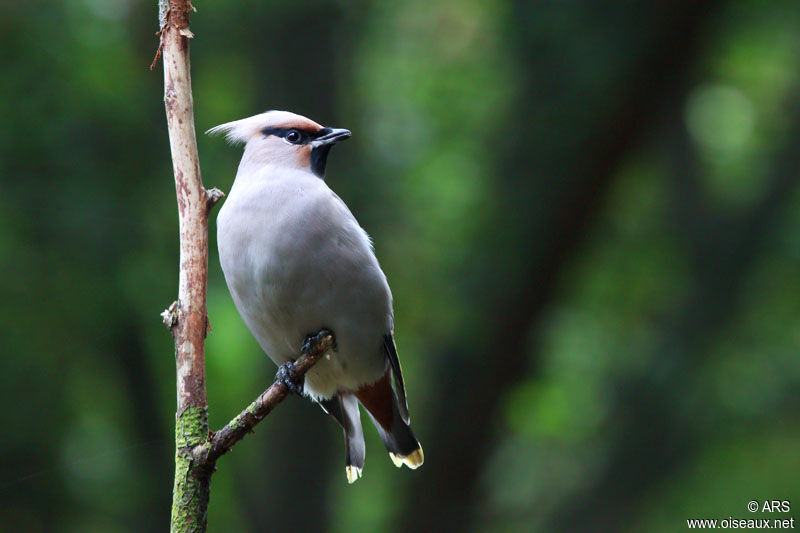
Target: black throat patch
{"x":319,"y":159}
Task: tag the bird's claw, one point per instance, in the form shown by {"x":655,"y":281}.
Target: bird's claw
{"x":291,"y":379}
{"x":286,"y":373}
{"x":313,"y":339}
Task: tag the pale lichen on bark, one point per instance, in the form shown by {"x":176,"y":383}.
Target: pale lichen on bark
{"x":192,"y":487}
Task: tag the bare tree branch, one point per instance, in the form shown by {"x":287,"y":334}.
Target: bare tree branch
{"x":220,"y":442}
{"x":187,"y":316}
{"x":196,"y":450}
{"x":190,"y":312}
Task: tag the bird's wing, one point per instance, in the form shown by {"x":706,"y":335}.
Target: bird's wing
{"x":400,"y":388}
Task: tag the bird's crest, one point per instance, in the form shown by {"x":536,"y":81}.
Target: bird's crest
{"x":241,"y":131}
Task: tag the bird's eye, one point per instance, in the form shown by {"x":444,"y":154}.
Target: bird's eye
{"x":294,"y":137}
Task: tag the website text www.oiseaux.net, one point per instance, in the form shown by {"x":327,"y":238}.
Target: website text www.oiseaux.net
{"x":740,"y":523}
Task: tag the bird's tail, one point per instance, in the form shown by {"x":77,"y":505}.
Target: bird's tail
{"x":383,"y":407}
{"x":344,"y":408}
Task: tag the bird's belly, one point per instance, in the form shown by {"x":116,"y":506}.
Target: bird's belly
{"x":283,"y":301}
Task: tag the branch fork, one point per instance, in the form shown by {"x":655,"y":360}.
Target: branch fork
{"x":220,"y":442}
{"x":213,"y":196}
{"x":170,"y":315}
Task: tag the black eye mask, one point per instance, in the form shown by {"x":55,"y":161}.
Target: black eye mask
{"x":319,"y":154}
{"x":306,"y":135}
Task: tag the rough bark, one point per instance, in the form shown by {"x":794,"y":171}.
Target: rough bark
{"x":187,"y":316}
{"x":196,"y":450}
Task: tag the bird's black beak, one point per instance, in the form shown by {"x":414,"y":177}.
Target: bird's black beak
{"x":330,"y":136}
{"x":321,"y":145}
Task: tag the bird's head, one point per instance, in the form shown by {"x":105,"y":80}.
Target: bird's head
{"x":283,"y":139}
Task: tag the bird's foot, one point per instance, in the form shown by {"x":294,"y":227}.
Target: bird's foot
{"x":312,"y":339}
{"x":291,"y":379}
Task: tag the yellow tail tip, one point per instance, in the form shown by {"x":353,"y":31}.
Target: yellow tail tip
{"x":353,"y":473}
{"x":413,"y":460}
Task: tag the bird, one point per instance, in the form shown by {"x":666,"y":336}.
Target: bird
{"x":296,"y":261}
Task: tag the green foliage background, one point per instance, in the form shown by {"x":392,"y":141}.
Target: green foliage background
{"x":588,"y":213}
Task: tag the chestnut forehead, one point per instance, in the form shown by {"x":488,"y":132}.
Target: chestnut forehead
{"x":303,"y":124}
